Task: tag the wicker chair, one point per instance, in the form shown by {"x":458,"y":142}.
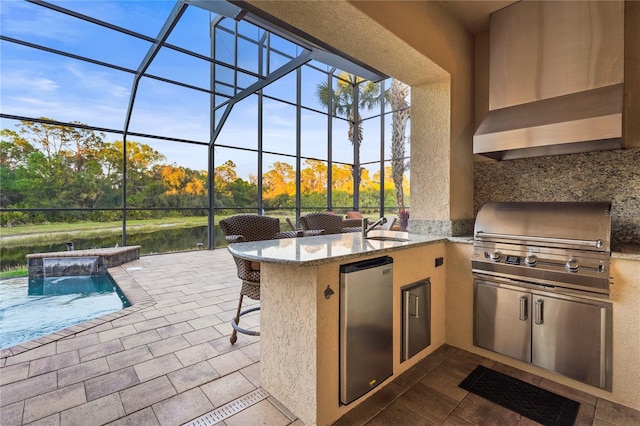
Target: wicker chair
{"x":243,"y":228}
{"x":329,"y":222}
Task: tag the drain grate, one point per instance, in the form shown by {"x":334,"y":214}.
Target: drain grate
{"x":228,"y":410}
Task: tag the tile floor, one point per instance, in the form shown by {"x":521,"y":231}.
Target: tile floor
{"x":168,"y":361}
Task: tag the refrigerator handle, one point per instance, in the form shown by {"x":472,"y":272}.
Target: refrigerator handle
{"x":539,"y":315}
{"x":417,"y":307}
{"x":524,"y":311}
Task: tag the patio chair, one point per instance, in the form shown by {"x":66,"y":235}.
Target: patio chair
{"x":329,"y":222}
{"x":243,"y":228}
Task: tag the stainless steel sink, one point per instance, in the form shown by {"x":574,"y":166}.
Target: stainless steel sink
{"x":387,"y":238}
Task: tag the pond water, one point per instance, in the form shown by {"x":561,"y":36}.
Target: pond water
{"x":37,"y":307}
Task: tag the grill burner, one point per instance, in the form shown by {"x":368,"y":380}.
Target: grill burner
{"x":562,"y":246}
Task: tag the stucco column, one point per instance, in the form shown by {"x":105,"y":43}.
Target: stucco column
{"x":441,"y":165}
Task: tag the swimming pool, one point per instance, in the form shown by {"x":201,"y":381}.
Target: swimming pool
{"x":30,"y":309}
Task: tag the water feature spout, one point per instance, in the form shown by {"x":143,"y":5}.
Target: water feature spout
{"x":70,"y":266}
{"x":70,"y":246}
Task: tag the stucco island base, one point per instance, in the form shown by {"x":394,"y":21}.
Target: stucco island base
{"x":299,"y":359}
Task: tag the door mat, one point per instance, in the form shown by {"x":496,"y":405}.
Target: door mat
{"x":537,"y":404}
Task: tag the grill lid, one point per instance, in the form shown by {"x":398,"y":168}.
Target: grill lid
{"x":577,"y":225}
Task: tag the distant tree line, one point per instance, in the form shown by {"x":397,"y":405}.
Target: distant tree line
{"x":54,"y":166}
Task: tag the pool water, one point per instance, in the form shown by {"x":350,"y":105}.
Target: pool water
{"x":29,"y":310}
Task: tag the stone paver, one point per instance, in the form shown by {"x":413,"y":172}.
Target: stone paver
{"x":157,"y":367}
{"x":182,"y":408}
{"x":19,"y":391}
{"x":12,"y":414}
{"x":197,"y":353}
{"x":144,"y":417}
{"x":96,"y":412}
{"x":110,"y":383}
{"x":139,"y":339}
{"x":192,"y":376}
{"x":14,"y":373}
{"x":53,"y":402}
{"x":166,"y":346}
{"x":99,"y":350}
{"x":81,"y":372}
{"x":52,"y":363}
{"x":76,"y":342}
{"x":129,"y":357}
{"x":227,"y":388}
{"x":146,"y":394}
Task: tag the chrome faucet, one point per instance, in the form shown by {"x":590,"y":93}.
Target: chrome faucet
{"x":366,"y":228}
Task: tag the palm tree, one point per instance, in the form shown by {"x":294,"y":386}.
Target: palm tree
{"x":399,"y":118}
{"x":343,"y":101}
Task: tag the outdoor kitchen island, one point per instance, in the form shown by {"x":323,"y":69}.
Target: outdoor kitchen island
{"x":299,"y":315}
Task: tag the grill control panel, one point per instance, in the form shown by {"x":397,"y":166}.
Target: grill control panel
{"x":573,"y":269}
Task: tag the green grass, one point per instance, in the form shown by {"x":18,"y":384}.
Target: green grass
{"x":101,"y":226}
{"x":16,"y":271}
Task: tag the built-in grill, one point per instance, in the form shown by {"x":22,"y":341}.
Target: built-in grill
{"x":536,"y":269}
{"x":561,"y":246}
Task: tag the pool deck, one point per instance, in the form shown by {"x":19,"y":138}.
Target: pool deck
{"x":167,"y":360}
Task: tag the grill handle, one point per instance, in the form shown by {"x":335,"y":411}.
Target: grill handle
{"x":587,"y":243}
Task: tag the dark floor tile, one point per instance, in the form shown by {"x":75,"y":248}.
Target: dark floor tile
{"x":418,"y":371}
{"x":466,"y":361}
{"x":446,"y":377}
{"x":398,"y":414}
{"x":480,"y":411}
{"x":617,"y":414}
{"x":428,"y":403}
{"x":586,"y":414}
{"x":568,"y":392}
{"x":453,"y":420}
{"x":446,"y":382}
{"x":359,"y":415}
{"x":516,"y":373}
{"x":386,"y":395}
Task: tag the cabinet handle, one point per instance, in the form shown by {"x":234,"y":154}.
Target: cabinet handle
{"x":416,"y":306}
{"x":524,"y":314}
{"x":539,"y":308}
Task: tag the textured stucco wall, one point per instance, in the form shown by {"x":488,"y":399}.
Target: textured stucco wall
{"x":625,"y":296}
{"x":421,"y":45}
{"x":299,"y":345}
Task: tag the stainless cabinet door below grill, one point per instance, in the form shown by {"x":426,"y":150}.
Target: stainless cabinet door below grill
{"x":571,"y":338}
{"x":501,"y":319}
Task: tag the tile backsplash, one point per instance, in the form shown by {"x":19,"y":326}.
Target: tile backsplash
{"x":594,"y":176}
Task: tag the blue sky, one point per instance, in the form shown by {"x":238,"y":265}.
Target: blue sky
{"x":36,"y":83}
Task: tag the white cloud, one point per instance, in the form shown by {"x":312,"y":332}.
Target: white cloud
{"x":27,"y":81}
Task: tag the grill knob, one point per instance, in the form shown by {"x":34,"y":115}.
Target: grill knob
{"x":572,"y":265}
{"x":531,"y":260}
{"x":495,"y":256}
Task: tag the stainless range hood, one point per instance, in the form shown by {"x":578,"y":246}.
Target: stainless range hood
{"x":555,"y":80}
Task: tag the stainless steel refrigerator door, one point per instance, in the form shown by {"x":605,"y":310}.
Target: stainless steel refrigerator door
{"x":502,"y":319}
{"x":573,"y":338}
{"x":416,"y":318}
{"x":366,"y":329}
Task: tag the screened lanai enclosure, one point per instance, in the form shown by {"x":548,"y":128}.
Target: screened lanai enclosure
{"x":219,"y":108}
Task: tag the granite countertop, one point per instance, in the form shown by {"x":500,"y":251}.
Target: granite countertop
{"x":310,"y":251}
{"x":626,"y":251}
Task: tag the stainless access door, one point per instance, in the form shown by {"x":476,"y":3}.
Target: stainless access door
{"x":416,"y":318}
{"x":366,"y":326}
{"x":572,"y":336}
{"x":501,"y":319}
